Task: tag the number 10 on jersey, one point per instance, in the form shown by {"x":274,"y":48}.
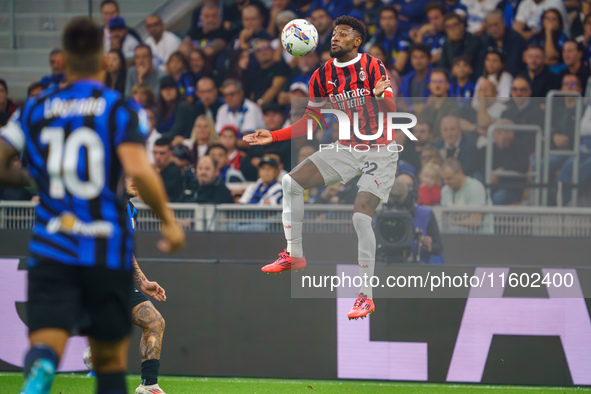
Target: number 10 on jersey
{"x":63,"y":158}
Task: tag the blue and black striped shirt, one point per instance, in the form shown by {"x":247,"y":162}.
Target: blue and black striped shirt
{"x":70,"y":136}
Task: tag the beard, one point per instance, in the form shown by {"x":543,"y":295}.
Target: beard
{"x":338,"y":53}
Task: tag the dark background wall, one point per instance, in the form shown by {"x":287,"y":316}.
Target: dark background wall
{"x":225,"y":318}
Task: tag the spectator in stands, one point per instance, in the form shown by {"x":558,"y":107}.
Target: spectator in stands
{"x":229,"y":139}
{"x":210,"y":35}
{"x":266,"y":190}
{"x":238,"y":111}
{"x":439,"y":105}
{"x":463,"y":191}
{"x":143,"y":95}
{"x":277,"y":7}
{"x":430,"y":154}
{"x":323,"y":22}
{"x":8,"y":193}
{"x":208,"y":187}
{"x":564,"y":121}
{"x":462,"y":87}
{"x":202,"y":136}
{"x":34,"y":89}
{"x":572,"y":55}
{"x":163,"y":43}
{"x":219,"y":154}
{"x":116,"y":71}
{"x":459,"y":42}
{"x":528,"y":20}
{"x":566,"y":172}
{"x":109,"y":10}
{"x":380,"y":53}
{"x":476,"y":12}
{"x":507,"y":155}
{"x":522,"y":109}
{"x":585,"y":38}
{"x":367,"y":11}
{"x":499,"y":35}
{"x":181,"y":157}
{"x":58,"y":69}
{"x":412,"y":149}
{"x":153,"y":136}
{"x":334,"y":8}
{"x":265,"y":81}
{"x":170,"y":173}
{"x":508,"y":10}
{"x":208,"y":102}
{"x":488,"y":110}
{"x":273,"y":117}
{"x":198,"y":66}
{"x":432,"y":33}
{"x":429,"y":192}
{"x":401,"y":198}
{"x":252,"y":28}
{"x":143,"y":71}
{"x":552,"y":36}
{"x":415,"y":84}
{"x":173,"y":115}
{"x":121,"y":39}
{"x":395,"y":42}
{"x":538,"y":74}
{"x":276,"y":155}
{"x":494,"y":71}
{"x":458,"y":145}
{"x":177,"y":66}
{"x":7,"y":106}
{"x":412,"y":13}
{"x":297,"y":91}
{"x":305,"y":67}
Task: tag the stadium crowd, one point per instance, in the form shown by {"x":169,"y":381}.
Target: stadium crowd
{"x":459,"y":65}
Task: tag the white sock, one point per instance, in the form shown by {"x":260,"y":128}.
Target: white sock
{"x":367,"y":250}
{"x":293,"y":215}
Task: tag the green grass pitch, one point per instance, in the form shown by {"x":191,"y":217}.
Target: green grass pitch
{"x":80,"y":384}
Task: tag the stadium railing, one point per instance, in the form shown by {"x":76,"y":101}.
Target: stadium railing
{"x":336,"y":219}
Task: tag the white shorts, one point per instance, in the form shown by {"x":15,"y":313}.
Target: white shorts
{"x":342,"y":163}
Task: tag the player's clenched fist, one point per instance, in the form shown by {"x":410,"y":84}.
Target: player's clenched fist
{"x":382,"y":85}
{"x":259,"y":137}
{"x":173,"y":237}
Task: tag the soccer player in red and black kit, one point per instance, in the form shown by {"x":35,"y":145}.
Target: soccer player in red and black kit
{"x":347,"y":75}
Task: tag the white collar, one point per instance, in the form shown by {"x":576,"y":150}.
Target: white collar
{"x":352,"y":61}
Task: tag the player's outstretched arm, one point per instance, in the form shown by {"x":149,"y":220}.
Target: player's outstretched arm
{"x":149,"y":288}
{"x":259,"y":137}
{"x":10,"y":175}
{"x":135,"y":162}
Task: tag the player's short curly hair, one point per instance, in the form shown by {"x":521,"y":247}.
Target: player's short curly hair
{"x":355,"y":23}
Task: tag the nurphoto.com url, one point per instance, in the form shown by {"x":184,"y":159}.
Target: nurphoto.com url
{"x":441,"y":280}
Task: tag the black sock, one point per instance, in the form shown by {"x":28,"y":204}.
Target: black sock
{"x":37,"y":352}
{"x":150,"y":370}
{"x":111,"y":383}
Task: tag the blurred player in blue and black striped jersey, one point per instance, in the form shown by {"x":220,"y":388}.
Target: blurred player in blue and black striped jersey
{"x":79,"y":139}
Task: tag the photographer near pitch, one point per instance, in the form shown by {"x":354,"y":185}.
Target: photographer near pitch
{"x":408,"y":232}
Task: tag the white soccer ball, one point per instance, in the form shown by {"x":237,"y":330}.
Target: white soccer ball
{"x":299,"y":37}
{"x":87,"y":357}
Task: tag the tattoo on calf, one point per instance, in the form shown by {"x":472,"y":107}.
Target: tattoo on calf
{"x":152,"y":324}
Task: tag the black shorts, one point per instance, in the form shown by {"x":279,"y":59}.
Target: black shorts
{"x":93,"y":301}
{"x":137,"y":297}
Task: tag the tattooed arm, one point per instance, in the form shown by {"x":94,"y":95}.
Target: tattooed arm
{"x":151,"y":289}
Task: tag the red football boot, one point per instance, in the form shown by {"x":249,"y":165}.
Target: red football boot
{"x":362,"y":307}
{"x":285,"y":263}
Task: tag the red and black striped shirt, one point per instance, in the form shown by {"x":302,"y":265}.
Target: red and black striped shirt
{"x":346,"y":86}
